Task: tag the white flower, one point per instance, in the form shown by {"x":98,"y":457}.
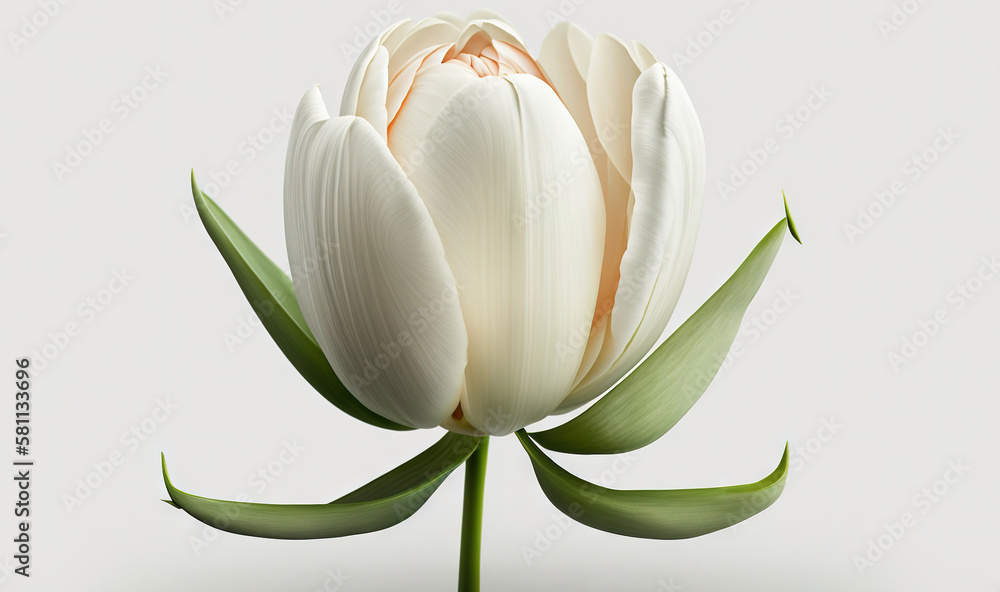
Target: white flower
{"x":484,"y":238}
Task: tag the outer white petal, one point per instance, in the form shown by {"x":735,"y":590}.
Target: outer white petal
{"x":352,"y":90}
{"x":519,"y":209}
{"x":610,"y":81}
{"x":668,"y":181}
{"x":369,"y":270}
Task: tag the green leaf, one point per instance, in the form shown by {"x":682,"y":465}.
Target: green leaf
{"x":662,"y":389}
{"x":270,"y":292}
{"x":653,"y":514}
{"x":791,"y":223}
{"x":384,"y":502}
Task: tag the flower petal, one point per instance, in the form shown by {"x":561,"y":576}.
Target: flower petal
{"x":429,"y":32}
{"x":610,"y":81}
{"x":352,"y":90}
{"x":617,"y":196}
{"x":581,"y":46}
{"x":560,"y":61}
{"x":668,"y":182}
{"x":480,"y":33}
{"x":564,"y":53}
{"x":369,"y":270}
{"x":403,"y":81}
{"x":372,"y":95}
{"x":452,"y":18}
{"x":392,"y":38}
{"x":518,"y":205}
{"x":642,"y":56}
{"x":430,"y":92}
{"x":484,"y":14}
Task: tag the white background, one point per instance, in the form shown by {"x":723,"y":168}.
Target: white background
{"x":824,"y":359}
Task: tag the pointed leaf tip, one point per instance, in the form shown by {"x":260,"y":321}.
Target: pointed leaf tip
{"x":788,"y":219}
{"x":195,"y":190}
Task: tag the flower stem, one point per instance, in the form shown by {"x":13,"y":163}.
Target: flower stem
{"x":472,"y":519}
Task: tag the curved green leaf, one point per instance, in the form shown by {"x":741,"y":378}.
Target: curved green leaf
{"x":382,"y":503}
{"x":270,"y":292}
{"x":653,"y":514}
{"x":662,"y":389}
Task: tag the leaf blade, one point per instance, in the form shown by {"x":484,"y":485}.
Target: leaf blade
{"x":382,"y":503}
{"x":657,"y":394}
{"x":653,"y":514}
{"x":271,"y":295}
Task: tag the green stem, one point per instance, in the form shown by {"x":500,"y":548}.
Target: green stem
{"x":472,"y":519}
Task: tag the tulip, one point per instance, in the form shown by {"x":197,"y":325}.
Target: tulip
{"x":511,"y":232}
{"x":483,"y":238}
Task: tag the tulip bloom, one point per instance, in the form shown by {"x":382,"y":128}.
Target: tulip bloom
{"x":484,"y":237}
